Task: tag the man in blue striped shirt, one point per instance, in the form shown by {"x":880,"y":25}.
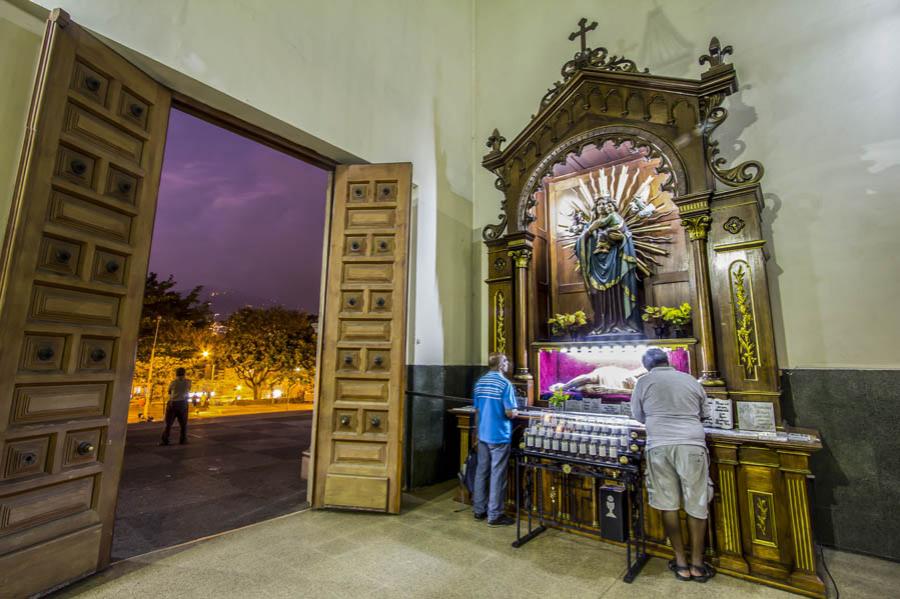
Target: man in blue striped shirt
{"x":495,"y":406}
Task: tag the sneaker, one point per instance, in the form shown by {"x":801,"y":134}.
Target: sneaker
{"x":501,"y":521}
{"x":480,"y":516}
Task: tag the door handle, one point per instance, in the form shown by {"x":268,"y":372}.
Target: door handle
{"x":85,"y":448}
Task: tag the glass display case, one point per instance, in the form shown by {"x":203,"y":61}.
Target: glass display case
{"x":598,"y":378}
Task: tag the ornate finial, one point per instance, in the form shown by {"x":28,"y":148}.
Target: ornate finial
{"x":582,"y":32}
{"x":717,"y":54}
{"x":494,"y":141}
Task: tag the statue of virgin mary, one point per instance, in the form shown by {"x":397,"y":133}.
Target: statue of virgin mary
{"x":606,"y":256}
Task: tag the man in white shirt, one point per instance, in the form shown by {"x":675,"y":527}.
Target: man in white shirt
{"x":672,"y":404}
{"x":177,"y":406}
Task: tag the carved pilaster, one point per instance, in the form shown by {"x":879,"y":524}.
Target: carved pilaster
{"x":727,"y":517}
{"x":804,"y":556}
{"x":795,"y":466}
{"x":521,"y":259}
{"x":697,"y":227}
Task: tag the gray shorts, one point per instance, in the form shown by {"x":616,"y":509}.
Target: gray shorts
{"x":678,"y":477}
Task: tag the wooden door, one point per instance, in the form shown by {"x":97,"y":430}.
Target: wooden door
{"x":73,"y":269}
{"x":359,"y":407}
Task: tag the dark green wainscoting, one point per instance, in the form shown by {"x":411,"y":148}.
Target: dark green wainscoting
{"x":857,"y":473}
{"x":431,"y":440}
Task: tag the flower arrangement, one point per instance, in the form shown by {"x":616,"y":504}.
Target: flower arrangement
{"x":653,"y":314}
{"x":567,"y":323}
{"x":677,"y":317}
{"x":663,"y":316}
{"x":558,"y":398}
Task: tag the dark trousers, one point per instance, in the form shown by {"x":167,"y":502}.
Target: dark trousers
{"x":179,"y":410}
{"x":490,"y":479}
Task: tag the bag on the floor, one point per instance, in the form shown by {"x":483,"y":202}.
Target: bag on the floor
{"x":467,"y":472}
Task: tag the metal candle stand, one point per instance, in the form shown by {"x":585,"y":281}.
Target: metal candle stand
{"x":535,"y":463}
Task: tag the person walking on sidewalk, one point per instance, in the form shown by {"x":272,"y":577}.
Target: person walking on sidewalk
{"x":177,"y":406}
{"x":495,"y":406}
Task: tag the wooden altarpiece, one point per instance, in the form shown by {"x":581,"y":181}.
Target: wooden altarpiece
{"x":605,"y":112}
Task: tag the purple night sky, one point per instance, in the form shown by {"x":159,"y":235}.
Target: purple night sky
{"x":238,"y":217}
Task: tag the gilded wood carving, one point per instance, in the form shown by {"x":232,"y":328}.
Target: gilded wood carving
{"x":500,"y":322}
{"x":744,"y":323}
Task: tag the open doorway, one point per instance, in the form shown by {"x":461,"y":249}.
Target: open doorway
{"x":232,"y":296}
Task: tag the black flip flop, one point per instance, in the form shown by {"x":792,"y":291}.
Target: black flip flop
{"x":708,"y":572}
{"x":675,"y":568}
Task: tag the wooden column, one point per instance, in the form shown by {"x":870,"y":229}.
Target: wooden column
{"x":697,"y":227}
{"x":727,"y":522}
{"x":795,"y":466}
{"x":521,"y":259}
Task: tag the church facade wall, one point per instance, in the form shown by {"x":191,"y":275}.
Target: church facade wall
{"x":813,"y":107}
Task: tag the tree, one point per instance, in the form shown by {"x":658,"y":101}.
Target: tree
{"x":264,"y":345}
{"x":184,"y":331}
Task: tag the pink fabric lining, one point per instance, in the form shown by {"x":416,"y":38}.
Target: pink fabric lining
{"x":558,"y":367}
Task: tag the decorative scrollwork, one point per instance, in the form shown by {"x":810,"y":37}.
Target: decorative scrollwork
{"x":492,"y":232}
{"x":741,"y":175}
{"x":745,"y":173}
{"x":599,"y":58}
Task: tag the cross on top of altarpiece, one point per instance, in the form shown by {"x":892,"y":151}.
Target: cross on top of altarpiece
{"x":582,"y":32}
{"x":591,"y":57}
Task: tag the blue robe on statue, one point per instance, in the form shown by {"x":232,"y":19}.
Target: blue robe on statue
{"x":608,"y":265}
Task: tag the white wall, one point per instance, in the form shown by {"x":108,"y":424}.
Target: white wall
{"x":818,"y":106}
{"x":387,"y":81}
{"x":20,"y":39}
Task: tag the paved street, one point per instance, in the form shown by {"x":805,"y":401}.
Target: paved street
{"x":234,"y":471}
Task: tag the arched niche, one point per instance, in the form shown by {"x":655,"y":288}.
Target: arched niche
{"x":643,"y":178}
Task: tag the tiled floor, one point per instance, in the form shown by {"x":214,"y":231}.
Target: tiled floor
{"x":431,"y":550}
{"x":233,"y":472}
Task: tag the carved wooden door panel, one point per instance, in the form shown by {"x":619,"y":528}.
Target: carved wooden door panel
{"x":73,"y":271}
{"x":358,"y":429}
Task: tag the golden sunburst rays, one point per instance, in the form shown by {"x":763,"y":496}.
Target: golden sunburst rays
{"x":637,"y":193}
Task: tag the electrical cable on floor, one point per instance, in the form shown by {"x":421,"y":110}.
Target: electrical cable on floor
{"x":821,"y":551}
{"x":811,"y":491}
